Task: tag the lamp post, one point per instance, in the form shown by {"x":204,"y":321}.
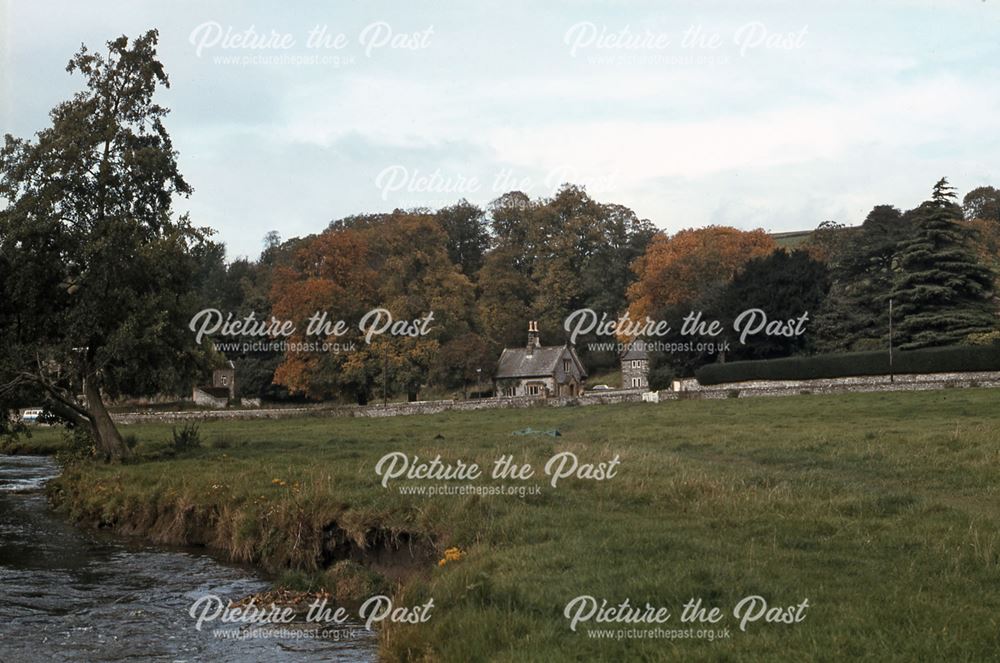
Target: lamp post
{"x":479,"y":382}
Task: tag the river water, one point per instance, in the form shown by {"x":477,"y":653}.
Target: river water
{"x":67,"y":594}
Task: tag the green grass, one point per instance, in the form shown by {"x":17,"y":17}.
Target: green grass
{"x":792,"y":240}
{"x":881,"y":509}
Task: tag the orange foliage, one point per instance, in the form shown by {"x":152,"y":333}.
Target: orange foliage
{"x":677,"y":269}
{"x":398,"y":262}
{"x":330,"y":272}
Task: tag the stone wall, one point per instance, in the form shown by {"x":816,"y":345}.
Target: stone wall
{"x":690,"y":388}
{"x":378,"y":410}
{"x":683,"y":389}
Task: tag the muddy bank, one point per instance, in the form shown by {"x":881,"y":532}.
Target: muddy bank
{"x":307,"y":545}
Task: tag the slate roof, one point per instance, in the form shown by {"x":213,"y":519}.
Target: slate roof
{"x":543,"y":362}
{"x":635,"y":350}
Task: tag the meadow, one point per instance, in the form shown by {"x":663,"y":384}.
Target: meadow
{"x":881,"y":510}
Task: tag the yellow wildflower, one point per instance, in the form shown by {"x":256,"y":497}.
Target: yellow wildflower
{"x":451,"y":555}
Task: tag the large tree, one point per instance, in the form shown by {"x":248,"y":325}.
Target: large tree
{"x":684,"y":269}
{"x":855,"y":315}
{"x":982,"y":203}
{"x":468,"y":235}
{"x":98,"y":271}
{"x":785,"y":285}
{"x":396,"y":261}
{"x":552,"y":256}
{"x":941,"y":289}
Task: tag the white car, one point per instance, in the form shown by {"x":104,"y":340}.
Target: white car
{"x":31,"y":415}
{"x":600,"y":387}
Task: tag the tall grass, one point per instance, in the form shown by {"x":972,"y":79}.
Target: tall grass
{"x":881,"y":509}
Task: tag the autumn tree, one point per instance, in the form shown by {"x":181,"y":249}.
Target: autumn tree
{"x":416,"y":277}
{"x":98,"y":273}
{"x":398,"y":262}
{"x":330,"y":273}
{"x":678,"y":270}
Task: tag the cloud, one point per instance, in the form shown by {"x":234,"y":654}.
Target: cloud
{"x":877,"y":103}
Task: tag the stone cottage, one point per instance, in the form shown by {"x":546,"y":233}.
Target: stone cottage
{"x":539,"y":371}
{"x":635,"y":366}
{"x":222,"y":391}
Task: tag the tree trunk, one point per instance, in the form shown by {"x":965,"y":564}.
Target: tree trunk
{"x":106,"y":436}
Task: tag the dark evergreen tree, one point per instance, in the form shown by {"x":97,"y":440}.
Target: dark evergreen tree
{"x":855,"y":315}
{"x":784,"y":285}
{"x":942,"y":293}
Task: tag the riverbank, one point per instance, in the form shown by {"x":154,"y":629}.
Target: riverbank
{"x":74,"y":594}
{"x":879,"y":509}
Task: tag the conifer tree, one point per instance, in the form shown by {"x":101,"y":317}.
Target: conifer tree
{"x":942,"y":293}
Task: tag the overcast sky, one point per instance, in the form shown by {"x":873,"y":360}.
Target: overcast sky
{"x":775,"y":114}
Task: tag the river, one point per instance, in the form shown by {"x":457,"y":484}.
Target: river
{"x":73,"y":595}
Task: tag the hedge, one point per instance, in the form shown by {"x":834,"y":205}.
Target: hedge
{"x":952,"y":359}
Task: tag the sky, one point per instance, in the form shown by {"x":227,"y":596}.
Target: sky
{"x":777,"y":115}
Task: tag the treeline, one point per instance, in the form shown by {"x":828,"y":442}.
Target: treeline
{"x":486,"y":272}
{"x":483,"y":272}
{"x":99,"y":277}
{"x":938,"y":268}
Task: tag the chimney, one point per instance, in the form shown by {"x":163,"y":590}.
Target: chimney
{"x":533,"y":341}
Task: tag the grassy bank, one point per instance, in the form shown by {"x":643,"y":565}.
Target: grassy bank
{"x":881,"y":509}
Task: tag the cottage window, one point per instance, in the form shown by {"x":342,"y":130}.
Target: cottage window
{"x":566,"y":365}
{"x":225,"y":381}
{"x":533,"y":390}
{"x":636,"y":382}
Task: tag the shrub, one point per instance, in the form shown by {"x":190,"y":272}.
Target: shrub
{"x":661,"y":377}
{"x":952,"y":359}
{"x":187,"y":438}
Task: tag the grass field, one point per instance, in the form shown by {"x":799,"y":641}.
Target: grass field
{"x":881,"y":509}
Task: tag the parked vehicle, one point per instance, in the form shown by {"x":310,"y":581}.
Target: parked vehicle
{"x":31,"y":415}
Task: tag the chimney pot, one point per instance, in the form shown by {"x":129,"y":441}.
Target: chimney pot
{"x":533,"y":340}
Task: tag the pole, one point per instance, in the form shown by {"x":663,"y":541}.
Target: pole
{"x":892,"y":378}
{"x":385,"y":371}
